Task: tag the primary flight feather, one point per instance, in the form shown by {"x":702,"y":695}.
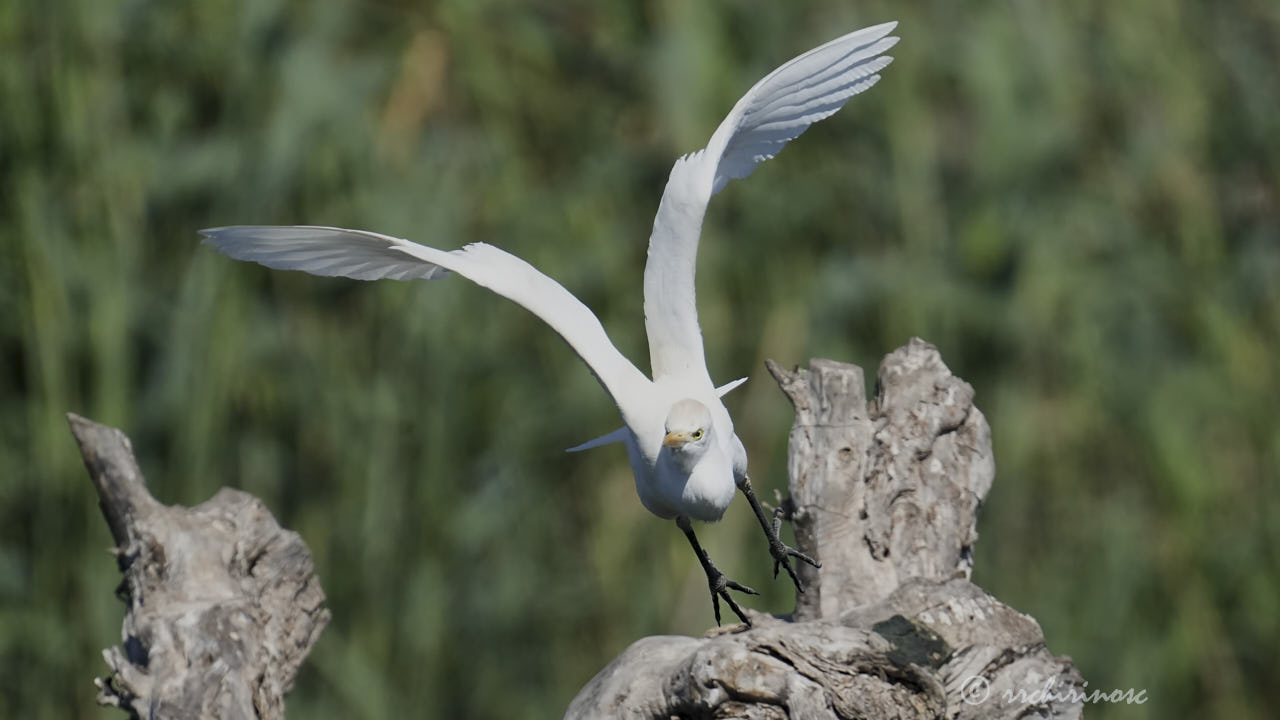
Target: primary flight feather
{"x":680,"y":442}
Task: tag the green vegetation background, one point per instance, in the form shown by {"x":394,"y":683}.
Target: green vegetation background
{"x":1077,"y":202}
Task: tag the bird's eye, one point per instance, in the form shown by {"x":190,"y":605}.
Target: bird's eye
{"x":697,"y":434}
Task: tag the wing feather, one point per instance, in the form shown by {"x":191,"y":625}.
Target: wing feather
{"x":775,"y":111}
{"x":802,"y":91}
{"x":364,"y":255}
{"x":328,"y":251}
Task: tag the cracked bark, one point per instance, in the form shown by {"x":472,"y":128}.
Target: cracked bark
{"x":223,"y":604}
{"x":886,"y":495}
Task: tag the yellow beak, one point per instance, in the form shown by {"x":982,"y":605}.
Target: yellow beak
{"x":675,"y":439}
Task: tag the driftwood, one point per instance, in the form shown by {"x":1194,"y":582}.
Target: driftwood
{"x":886,"y":495}
{"x":223,"y":604}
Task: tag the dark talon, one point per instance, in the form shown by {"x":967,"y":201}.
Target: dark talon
{"x":780,"y":552}
{"x":716,"y":580}
{"x":776,"y":546}
{"x":720,"y":587}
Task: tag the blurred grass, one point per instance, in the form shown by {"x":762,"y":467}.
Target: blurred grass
{"x":1078,"y":202}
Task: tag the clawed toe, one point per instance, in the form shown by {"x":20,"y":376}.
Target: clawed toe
{"x":782,"y":553}
{"x":717,"y":583}
{"x":720,"y":587}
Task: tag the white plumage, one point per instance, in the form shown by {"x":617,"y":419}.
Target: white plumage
{"x":691,"y":473}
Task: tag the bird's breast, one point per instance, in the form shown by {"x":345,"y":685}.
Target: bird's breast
{"x":702,"y":494}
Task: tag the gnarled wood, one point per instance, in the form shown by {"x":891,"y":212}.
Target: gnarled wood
{"x":886,"y":495}
{"x":223,"y":604}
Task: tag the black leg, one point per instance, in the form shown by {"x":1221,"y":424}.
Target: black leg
{"x":781,"y":553}
{"x":716,"y":581}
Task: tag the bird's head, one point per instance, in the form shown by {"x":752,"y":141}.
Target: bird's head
{"x":688,"y":428}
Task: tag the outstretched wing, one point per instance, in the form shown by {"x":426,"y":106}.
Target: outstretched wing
{"x":365,"y":255}
{"x":328,"y":251}
{"x":798,"y":94}
{"x":774,"y":112}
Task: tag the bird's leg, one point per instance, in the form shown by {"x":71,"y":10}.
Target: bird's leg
{"x":781,"y":553}
{"x":719,"y":584}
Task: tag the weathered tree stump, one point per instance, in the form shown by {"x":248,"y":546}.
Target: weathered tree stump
{"x":886,"y":495}
{"x":223,"y":604}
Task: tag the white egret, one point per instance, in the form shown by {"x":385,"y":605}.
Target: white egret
{"x":687,"y":461}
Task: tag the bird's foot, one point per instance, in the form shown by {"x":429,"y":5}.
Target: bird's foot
{"x":720,"y":587}
{"x":716,"y":581}
{"x":782,"y":553}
